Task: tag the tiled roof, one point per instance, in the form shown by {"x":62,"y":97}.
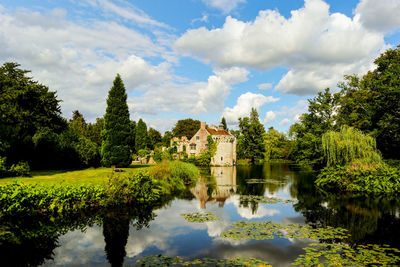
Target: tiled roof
{"x":217,"y":132}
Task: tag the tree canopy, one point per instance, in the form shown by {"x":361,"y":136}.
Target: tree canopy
{"x":141,"y":137}
{"x":187,"y":127}
{"x":115,"y":148}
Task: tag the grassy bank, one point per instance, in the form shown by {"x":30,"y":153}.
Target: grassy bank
{"x":63,"y":194}
{"x":86,"y":176}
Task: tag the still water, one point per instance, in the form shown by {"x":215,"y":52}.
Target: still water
{"x":121,"y":237}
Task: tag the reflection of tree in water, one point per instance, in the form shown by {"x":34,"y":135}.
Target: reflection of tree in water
{"x":245,"y":173}
{"x":368,"y":219}
{"x":31,"y":240}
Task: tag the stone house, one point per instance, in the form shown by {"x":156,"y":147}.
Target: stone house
{"x":226,"y":144}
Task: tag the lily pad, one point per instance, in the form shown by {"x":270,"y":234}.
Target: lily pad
{"x":269,"y":230}
{"x":344,"y":255}
{"x":200,"y":217}
{"x":161,"y":260}
{"x":266,"y":200}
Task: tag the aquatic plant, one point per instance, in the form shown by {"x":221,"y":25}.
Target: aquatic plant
{"x":200,"y":217}
{"x":161,"y":260}
{"x":269,"y":230}
{"x":266,"y":200}
{"x":320,"y":254}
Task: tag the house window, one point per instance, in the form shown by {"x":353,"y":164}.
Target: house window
{"x":222,"y":158}
{"x":207,"y":146}
{"x":193,"y":146}
{"x":197,"y":137}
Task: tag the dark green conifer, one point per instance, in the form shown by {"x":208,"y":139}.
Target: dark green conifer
{"x":141,"y":139}
{"x":116,"y":134}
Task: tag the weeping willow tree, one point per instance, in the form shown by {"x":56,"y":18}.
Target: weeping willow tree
{"x":350,"y":147}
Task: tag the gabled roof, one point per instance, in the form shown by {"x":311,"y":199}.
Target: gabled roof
{"x":217,"y":131}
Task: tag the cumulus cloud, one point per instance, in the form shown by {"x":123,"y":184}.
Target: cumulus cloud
{"x":382,"y":15}
{"x":265,"y":86}
{"x":269,"y":116}
{"x":284,"y":122}
{"x":244,"y":104}
{"x":79,"y":61}
{"x":317,"y":46}
{"x":190,"y":97}
{"x":225,"y":6}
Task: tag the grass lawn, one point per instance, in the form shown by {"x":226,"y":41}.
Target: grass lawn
{"x":86,"y":176}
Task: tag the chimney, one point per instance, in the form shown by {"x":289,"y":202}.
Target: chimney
{"x":221,"y":126}
{"x":202,"y":125}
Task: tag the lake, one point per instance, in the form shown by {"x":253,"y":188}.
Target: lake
{"x":120,"y":237}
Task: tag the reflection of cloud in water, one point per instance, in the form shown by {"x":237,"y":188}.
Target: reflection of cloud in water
{"x":81,"y":248}
{"x":299,"y":219}
{"x":247,"y":213}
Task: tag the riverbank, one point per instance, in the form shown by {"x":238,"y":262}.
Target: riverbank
{"x":85,"y":176}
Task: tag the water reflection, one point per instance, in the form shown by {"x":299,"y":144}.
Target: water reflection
{"x":119,"y":237}
{"x":217,"y":187}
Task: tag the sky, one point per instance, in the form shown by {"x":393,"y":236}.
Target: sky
{"x":200,"y":59}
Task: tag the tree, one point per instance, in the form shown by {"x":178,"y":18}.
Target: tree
{"x":166,"y":139}
{"x":311,"y":126}
{"x":155,"y":138}
{"x":116,"y":133}
{"x":187,"y":127}
{"x":132,"y":138}
{"x":277,"y":146}
{"x":25,"y":107}
{"x":253,"y":132}
{"x":141,"y":137}
{"x":78,"y":123}
{"x":94,"y":131}
{"x":223,"y":122}
{"x":371,"y":103}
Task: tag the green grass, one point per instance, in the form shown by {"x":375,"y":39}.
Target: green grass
{"x":86,"y":176}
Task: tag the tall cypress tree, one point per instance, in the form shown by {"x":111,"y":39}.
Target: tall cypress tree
{"x":116,"y":133}
{"x":223,"y":122}
{"x":141,"y":139}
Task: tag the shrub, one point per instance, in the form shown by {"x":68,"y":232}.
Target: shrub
{"x":185,"y":171}
{"x":20,"y":169}
{"x":384,"y":180}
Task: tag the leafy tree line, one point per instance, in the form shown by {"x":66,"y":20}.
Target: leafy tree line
{"x":370,"y":103}
{"x":34,"y":134}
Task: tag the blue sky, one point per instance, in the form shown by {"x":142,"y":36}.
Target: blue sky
{"x":202,"y":59}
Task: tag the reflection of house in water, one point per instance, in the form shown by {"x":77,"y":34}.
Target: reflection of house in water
{"x":218,"y":190}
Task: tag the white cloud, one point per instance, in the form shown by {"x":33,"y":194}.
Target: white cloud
{"x":265,"y":86}
{"x":269,"y":116}
{"x":317,"y":46}
{"x":127,"y":11}
{"x":189,"y":97}
{"x":244,"y":104}
{"x":382,"y":15}
{"x":80,"y":61}
{"x":284,"y":122}
{"x":224,"y":5}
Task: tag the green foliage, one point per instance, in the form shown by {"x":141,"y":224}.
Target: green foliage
{"x":155,"y":138}
{"x":161,"y":260}
{"x":20,"y":169}
{"x":141,"y":137}
{"x":223,"y":122}
{"x":200,"y":217}
{"x":187,"y":127}
{"x":384,"y":180}
{"x":31,"y":199}
{"x":349,"y":146}
{"x":371,"y":103}
{"x":166,"y":139}
{"x":143,"y":153}
{"x":25,"y":107}
{"x":308,"y":132}
{"x":277,"y":145}
{"x":252,"y":142}
{"x":320,"y":254}
{"x":115,"y":148}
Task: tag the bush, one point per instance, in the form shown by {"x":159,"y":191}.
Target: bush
{"x":185,"y":171}
{"x":384,"y":180}
{"x":3,"y":167}
{"x":20,"y":169}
